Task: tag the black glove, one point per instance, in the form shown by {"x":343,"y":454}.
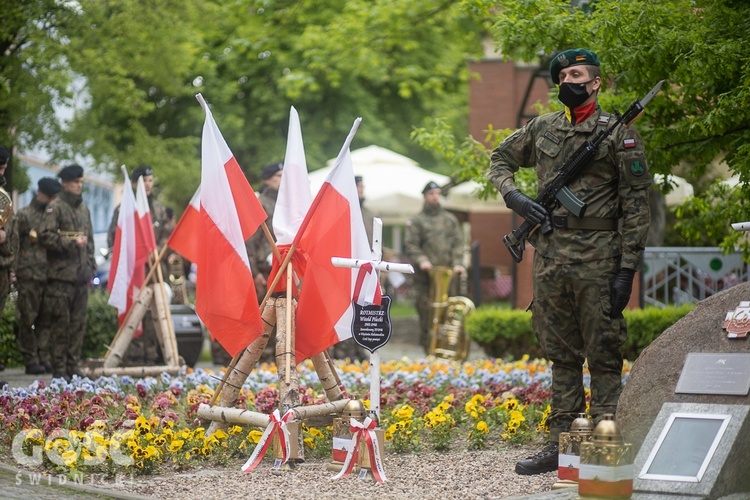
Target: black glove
{"x":525,"y":207}
{"x":621,"y":288}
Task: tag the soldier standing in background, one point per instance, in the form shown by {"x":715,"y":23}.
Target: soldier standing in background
{"x":67,"y":234}
{"x":144,"y":349}
{"x":31,"y":280}
{"x":433,"y":238}
{"x":6,"y":247}
{"x":583,"y":270}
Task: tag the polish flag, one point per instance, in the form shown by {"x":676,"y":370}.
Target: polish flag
{"x":333,"y":227}
{"x":230,"y":212}
{"x":146,"y":241}
{"x":293,"y":201}
{"x":127,"y":271}
{"x":186,"y":235}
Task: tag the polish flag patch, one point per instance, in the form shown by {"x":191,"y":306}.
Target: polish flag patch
{"x":628,"y":143}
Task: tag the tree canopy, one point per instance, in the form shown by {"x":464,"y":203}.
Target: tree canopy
{"x":133,"y":68}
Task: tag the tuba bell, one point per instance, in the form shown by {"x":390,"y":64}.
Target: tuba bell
{"x":448,"y":338}
{"x":6,"y":208}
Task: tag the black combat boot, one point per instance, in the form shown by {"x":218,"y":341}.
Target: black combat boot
{"x":35,"y":369}
{"x":544,"y":461}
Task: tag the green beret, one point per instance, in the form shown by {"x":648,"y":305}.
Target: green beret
{"x":572,"y":57}
{"x":71,"y":172}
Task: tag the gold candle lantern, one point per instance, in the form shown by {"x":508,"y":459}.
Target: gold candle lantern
{"x":606,"y":464}
{"x":342,"y":435}
{"x":569,"y":457}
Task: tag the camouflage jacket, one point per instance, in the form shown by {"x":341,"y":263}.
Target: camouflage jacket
{"x":613,"y":185}
{"x":31,"y":259}
{"x":257,"y":245}
{"x":9,"y":247}
{"x":65,"y":261}
{"x":434,"y":235}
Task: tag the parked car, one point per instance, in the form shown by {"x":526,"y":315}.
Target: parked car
{"x":102,"y":255}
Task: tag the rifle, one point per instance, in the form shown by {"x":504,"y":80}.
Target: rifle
{"x":557,"y":190}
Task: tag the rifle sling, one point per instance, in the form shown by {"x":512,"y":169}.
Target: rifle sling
{"x":587,"y":223}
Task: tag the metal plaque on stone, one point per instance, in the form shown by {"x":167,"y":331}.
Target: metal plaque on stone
{"x":371,"y":324}
{"x":715,"y":373}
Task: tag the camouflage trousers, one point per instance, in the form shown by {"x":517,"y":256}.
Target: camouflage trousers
{"x":33,"y":323}
{"x":570,"y":316}
{"x":423,"y":303}
{"x":65,"y":305}
{"x":4,"y":287}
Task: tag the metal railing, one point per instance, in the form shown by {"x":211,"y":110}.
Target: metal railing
{"x":676,"y":275}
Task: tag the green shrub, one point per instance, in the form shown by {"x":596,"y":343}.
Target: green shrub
{"x":503,"y":332}
{"x":507,"y":332}
{"x":644,"y":325}
{"x":101,"y":326}
{"x":9,"y":353}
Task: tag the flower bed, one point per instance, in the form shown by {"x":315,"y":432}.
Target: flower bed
{"x":138,"y":425}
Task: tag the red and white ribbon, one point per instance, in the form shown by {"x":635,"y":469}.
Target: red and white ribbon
{"x":276,"y":426}
{"x":366,"y":432}
{"x":367,"y":287}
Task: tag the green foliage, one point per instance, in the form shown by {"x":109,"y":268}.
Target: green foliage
{"x":503,"y":332}
{"x":101,"y":325}
{"x":508,"y":332}
{"x":644,"y":325}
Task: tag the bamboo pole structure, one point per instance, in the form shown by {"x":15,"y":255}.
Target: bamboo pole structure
{"x":132,"y":371}
{"x":327,"y":376}
{"x":127,"y":331}
{"x":164,"y":329}
{"x":237,"y":375}
{"x":170,"y":335}
{"x":322,"y":412}
{"x":146,"y":281}
{"x":269,"y":291}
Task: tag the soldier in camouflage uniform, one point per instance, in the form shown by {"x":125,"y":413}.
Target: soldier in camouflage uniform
{"x":433,"y":238}
{"x":7,"y":247}
{"x":31,"y":280}
{"x":144,"y":349}
{"x":583,"y":270}
{"x":66,"y":232}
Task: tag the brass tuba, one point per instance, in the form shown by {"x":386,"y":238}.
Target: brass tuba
{"x":6,"y":208}
{"x":448,"y":337}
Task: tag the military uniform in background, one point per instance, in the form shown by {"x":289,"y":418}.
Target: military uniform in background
{"x":31,"y":281}
{"x":69,"y":273}
{"x":582,"y":270}
{"x":144,"y":350}
{"x":434,"y":235}
{"x":7,"y":257}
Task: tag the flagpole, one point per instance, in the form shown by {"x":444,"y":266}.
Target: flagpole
{"x":168,"y":314}
{"x":269,"y":291}
{"x":288,"y":355}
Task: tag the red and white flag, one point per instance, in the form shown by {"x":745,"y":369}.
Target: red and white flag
{"x":127,"y":271}
{"x":230,"y":212}
{"x":145,"y":241}
{"x":186,"y":235}
{"x":333,"y":227}
{"x":293,"y":201}
{"x":294,"y":193}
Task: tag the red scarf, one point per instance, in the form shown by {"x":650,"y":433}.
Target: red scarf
{"x":581,"y":113}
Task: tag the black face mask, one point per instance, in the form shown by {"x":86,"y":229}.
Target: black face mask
{"x":573,"y":94}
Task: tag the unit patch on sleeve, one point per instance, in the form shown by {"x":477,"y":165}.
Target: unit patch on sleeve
{"x":637,"y":168}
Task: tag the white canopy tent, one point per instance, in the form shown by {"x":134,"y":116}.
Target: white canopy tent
{"x":393,"y":185}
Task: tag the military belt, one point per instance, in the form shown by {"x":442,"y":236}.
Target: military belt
{"x":589,"y":223}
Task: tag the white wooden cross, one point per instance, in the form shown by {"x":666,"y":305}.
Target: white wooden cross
{"x":378,"y":265}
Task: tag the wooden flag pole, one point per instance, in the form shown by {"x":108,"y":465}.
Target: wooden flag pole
{"x":269,"y":291}
{"x":289,"y":324}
